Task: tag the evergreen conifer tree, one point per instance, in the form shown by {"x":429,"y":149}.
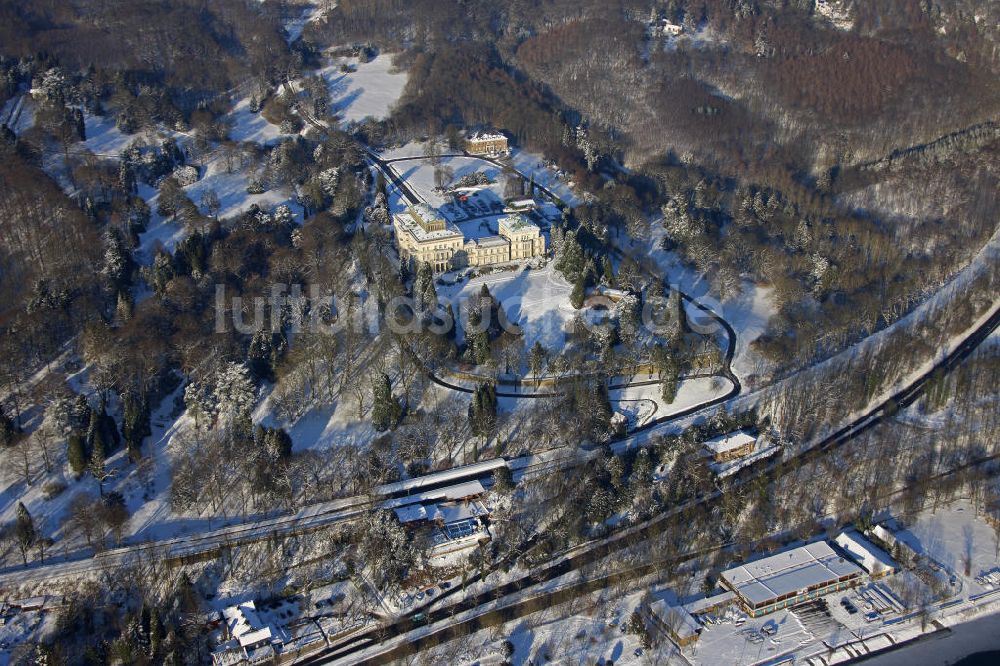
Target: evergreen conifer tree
{"x":483,"y":410}
{"x":385,"y":408}
{"x":76,"y":454}
{"x":576,"y":297}
{"x":24,"y":531}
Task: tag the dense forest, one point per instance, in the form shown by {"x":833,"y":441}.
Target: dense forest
{"x":846,"y":168}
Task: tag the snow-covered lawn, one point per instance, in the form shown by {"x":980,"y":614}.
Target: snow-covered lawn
{"x":146,"y":491}
{"x":419,"y":173}
{"x":231,"y":189}
{"x":951,"y":535}
{"x":18,"y":113}
{"x":747,"y":312}
{"x":577,"y":639}
{"x":533,"y":165}
{"x":411,"y":149}
{"x":331,"y":427}
{"x":245,"y":125}
{"x":295,"y":26}
{"x":371,"y":90}
{"x":150,"y":515}
{"x":104,"y":138}
{"x":535,"y":300}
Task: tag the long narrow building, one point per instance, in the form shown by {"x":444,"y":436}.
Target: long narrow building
{"x":790,"y":577}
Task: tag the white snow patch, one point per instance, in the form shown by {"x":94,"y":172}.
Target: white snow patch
{"x":104,"y":139}
{"x":371,"y":90}
{"x":690,"y":392}
{"x":250,"y":126}
{"x":535,"y":300}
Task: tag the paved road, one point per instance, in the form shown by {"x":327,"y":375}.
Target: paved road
{"x":593,"y":551}
{"x":490,"y":160}
{"x":411,"y":197}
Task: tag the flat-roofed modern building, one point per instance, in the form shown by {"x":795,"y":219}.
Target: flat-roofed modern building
{"x":790,"y":577}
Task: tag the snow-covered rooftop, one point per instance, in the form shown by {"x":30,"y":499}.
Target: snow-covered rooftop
{"x":242,"y":619}
{"x":254,"y":637}
{"x":676,"y":618}
{"x":699,"y":606}
{"x":411,"y":513}
{"x":488,"y":241}
{"x":486,"y":136}
{"x":872,"y":559}
{"x":515,"y":222}
{"x":483,"y":468}
{"x":523,"y":203}
{"x":789,"y":572}
{"x":733,"y":440}
{"x":412,"y":227}
{"x":454,"y":513}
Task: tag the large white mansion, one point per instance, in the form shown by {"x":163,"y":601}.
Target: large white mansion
{"x":422,"y":234}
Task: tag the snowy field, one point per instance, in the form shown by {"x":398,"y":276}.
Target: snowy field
{"x":145,"y":489}
{"x":18,"y":113}
{"x":328,"y":427}
{"x":104,"y":138}
{"x":533,"y":165}
{"x":951,"y":535}
{"x":583,"y":633}
{"x":295,"y":26}
{"x":369,"y":91}
{"x":535,"y":300}
{"x":574,"y":640}
{"x":231,"y":188}
{"x":246,"y":125}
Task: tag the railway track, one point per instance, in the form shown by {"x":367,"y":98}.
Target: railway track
{"x":594,"y":551}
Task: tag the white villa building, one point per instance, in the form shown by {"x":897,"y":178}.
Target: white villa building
{"x":423,"y":235}
{"x":487,"y":143}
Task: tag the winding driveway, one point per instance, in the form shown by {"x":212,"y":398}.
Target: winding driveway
{"x":411,"y":197}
